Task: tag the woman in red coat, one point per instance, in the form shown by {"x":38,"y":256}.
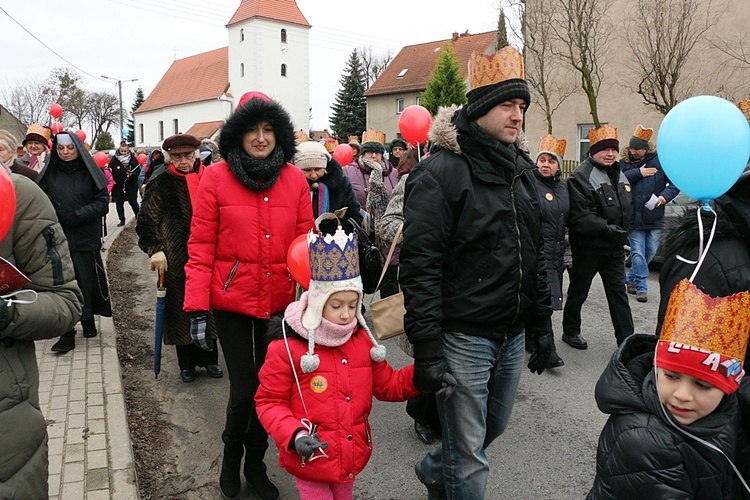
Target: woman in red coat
{"x":250,"y":207}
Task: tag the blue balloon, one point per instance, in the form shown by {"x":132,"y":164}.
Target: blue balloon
{"x":704,"y":145}
{"x":125,"y":132}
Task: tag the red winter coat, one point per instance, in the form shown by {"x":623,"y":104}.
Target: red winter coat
{"x":239,"y":240}
{"x":339,"y":398}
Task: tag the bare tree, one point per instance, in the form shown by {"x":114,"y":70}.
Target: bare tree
{"x":29,"y":102}
{"x":581,"y":31}
{"x":373,"y":64}
{"x":103,"y":112}
{"x":737,"y":50}
{"x":663,"y":37}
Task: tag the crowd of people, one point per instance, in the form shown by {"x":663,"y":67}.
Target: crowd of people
{"x":487,"y":236}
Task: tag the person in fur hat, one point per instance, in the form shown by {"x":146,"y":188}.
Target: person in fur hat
{"x":249,"y":208}
{"x":323,"y":351}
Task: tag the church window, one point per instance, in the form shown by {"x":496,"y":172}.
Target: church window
{"x":242,"y":34}
{"x":175,"y":126}
{"x":283,"y":36}
{"x":283,"y":70}
{"x":161,"y":130}
{"x":242,"y":69}
{"x":140,"y":132}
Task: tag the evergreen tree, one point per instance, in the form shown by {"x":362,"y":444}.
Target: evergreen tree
{"x":139,"y":98}
{"x":350,"y":109}
{"x":502,"y":32}
{"x":104,"y":141}
{"x":445,"y":86}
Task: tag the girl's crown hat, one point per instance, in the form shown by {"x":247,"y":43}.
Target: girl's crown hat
{"x":334,"y":267}
{"x":705,"y":337}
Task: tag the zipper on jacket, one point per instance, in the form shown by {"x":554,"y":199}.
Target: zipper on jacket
{"x":367,"y":432}
{"x":54,"y":255}
{"x":231,"y":276}
{"x":520,"y":253}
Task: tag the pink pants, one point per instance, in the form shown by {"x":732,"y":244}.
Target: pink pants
{"x":313,"y":490}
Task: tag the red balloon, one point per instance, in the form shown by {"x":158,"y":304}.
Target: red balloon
{"x":414,"y":124}
{"x":298,"y":261}
{"x":7,"y":203}
{"x":344,"y":154}
{"x":56,"y":110}
{"x":101,"y":158}
{"x":81,"y":135}
{"x":142,"y":158}
{"x":57,"y":127}
{"x":49,"y":143}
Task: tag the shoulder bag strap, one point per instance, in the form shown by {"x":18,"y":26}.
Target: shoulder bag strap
{"x":390,"y":254}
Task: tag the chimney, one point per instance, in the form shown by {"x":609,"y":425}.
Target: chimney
{"x":455,"y":36}
{"x":465,"y":33}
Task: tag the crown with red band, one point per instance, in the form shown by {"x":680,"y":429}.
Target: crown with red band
{"x":705,"y":337}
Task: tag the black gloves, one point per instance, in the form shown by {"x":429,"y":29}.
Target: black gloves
{"x":307,"y":444}
{"x":432,"y":375}
{"x":541,"y":352}
{"x":619,"y":235}
{"x":199,"y":331}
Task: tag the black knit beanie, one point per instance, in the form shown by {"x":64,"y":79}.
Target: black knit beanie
{"x":604,"y":144}
{"x":483,"y":99}
{"x":638,"y":143}
{"x":372,"y":147}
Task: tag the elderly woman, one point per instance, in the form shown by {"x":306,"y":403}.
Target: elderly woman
{"x":249,"y":209}
{"x":555,"y":204}
{"x":163,"y":229}
{"x":330,"y":190}
{"x":77,"y":188}
{"x":9,"y":155}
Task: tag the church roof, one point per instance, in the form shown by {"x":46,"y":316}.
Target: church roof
{"x":192,"y":79}
{"x":410,"y":70}
{"x":275,"y":10}
{"x":203,"y":130}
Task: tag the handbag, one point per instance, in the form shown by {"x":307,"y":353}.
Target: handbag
{"x":371,"y":260}
{"x":388,"y":313}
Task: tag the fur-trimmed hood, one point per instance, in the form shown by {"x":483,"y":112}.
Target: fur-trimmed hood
{"x":625,"y":152}
{"x":250,"y":114}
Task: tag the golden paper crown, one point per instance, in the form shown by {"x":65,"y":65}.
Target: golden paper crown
{"x":505,"y":64}
{"x":601,"y":133}
{"x":549,"y":143}
{"x":37,"y":129}
{"x":333,"y":257}
{"x":715,"y":324}
{"x":372,"y":135}
{"x":330,"y":145}
{"x":744,"y":106}
{"x":643,"y":133}
{"x":353,"y":138}
{"x":300,"y":136}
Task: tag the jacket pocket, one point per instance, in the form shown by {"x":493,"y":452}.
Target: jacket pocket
{"x":467,"y":278}
{"x":609,"y":198}
{"x":368,"y":432}
{"x":231,"y":277}
{"x":54,"y":255}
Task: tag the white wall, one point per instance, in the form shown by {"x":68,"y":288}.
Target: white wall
{"x":186,"y":114}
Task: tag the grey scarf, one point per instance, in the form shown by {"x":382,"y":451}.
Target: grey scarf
{"x":257,"y":175}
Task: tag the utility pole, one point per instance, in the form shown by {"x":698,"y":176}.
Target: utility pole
{"x":119,"y":88}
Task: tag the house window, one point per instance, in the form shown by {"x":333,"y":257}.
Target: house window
{"x":283,"y":36}
{"x":283,"y":70}
{"x":419,"y":100}
{"x":399,"y":106}
{"x":402,"y":73}
{"x":583,"y":141}
{"x":242,"y":34}
{"x":161,"y":130}
{"x":140,"y":132}
{"x":175,"y":126}
{"x":242,"y":69}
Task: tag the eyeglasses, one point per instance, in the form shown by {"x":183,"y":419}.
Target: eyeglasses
{"x":182,"y":156}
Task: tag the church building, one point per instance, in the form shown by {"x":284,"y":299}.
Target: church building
{"x":268,"y":51}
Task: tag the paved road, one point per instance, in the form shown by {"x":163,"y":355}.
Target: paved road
{"x":547,"y":452}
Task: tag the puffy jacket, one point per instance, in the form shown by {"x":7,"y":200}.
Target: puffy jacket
{"x":600,"y":210}
{"x":472,"y":256}
{"x":239,"y":239}
{"x":338,"y":395}
{"x":644,"y":187}
{"x":641,"y":455}
{"x":36,"y":245}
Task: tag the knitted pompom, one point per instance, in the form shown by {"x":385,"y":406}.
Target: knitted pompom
{"x":309,"y":362}
{"x":377,"y":353}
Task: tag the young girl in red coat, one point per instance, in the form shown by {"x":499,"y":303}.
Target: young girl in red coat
{"x":319,"y":376}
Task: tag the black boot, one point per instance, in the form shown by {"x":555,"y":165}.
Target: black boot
{"x":257,"y":479}
{"x":229,"y":480}
{"x":89,"y":328}
{"x":555,"y":361}
{"x":66,"y":343}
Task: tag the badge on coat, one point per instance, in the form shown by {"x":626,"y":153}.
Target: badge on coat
{"x":549,"y":196}
{"x":627,"y":187}
{"x":318,"y":384}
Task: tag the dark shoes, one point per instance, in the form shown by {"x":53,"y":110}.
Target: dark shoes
{"x":424,"y":432}
{"x":229,"y":479}
{"x":187,"y":375}
{"x":432,"y":492}
{"x":575,"y":341}
{"x":641,"y":297}
{"x":66,"y":343}
{"x":121,"y":223}
{"x":555,"y":361}
{"x":89,"y":328}
{"x":214,"y":371}
{"x":631,"y":288}
{"x":260,"y":484}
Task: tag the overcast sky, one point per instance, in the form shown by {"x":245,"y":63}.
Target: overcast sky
{"x":127,"y":39}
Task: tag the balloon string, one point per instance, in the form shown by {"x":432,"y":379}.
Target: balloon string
{"x":702,"y":252}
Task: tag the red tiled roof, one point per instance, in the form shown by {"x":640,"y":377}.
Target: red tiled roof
{"x":203,"y":130}
{"x":420,"y":60}
{"x":192,"y":79}
{"x":275,"y":10}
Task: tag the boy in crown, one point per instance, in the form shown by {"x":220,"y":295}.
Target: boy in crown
{"x":674,"y":412}
{"x":321,"y":372}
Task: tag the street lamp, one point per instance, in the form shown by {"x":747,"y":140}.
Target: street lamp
{"x":119,"y":88}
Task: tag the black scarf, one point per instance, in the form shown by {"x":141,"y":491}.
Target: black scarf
{"x":257,"y":175}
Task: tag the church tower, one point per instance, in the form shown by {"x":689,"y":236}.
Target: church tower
{"x":269,"y":51}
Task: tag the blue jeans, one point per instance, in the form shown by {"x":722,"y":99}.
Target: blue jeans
{"x":487,"y":374}
{"x":643,"y":246}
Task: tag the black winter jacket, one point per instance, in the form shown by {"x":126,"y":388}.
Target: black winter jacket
{"x":644,"y":187}
{"x":472,"y":255}
{"x":641,"y":455}
{"x":555,"y":204}
{"x":126,"y":186}
{"x":599,"y":209}
{"x":340,"y":195}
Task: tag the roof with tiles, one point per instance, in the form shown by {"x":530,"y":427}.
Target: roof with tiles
{"x":196,"y":78}
{"x":415,"y":63}
{"x":203,"y":130}
{"x":275,"y":10}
